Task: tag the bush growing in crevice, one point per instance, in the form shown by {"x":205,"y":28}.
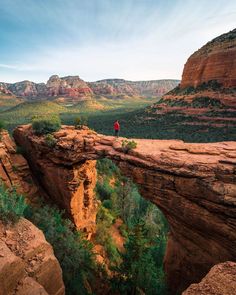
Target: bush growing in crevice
{"x":12,"y":205}
{"x":72,"y":250}
{"x":104,"y":222}
{"x":128,"y":145}
{"x":50,"y":140}
{"x":2,"y":125}
{"x":80,"y":122}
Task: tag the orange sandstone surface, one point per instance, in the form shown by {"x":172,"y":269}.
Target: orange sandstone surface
{"x":27,"y":262}
{"x":193,"y":184}
{"x":221,"y":280}
{"x":214,"y":61}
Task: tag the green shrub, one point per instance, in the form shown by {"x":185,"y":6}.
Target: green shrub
{"x":107,"y":204}
{"x":73,"y":252}
{"x":42,"y":125}
{"x":104,"y":190}
{"x":80,"y":122}
{"x":128,"y":145}
{"x":138,"y":273}
{"x":12,"y":205}
{"x":107,"y":167}
{"x":124,"y":230}
{"x":104,"y":222}
{"x":206,"y":102}
{"x":20,"y":150}
{"x":50,"y":140}
{"x":2,"y":125}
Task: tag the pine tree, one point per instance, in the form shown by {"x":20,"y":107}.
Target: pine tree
{"x":138,"y":272}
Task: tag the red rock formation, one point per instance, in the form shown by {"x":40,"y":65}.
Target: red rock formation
{"x":71,"y":86}
{"x":208,"y":83}
{"x":24,"y":89}
{"x":27,"y":262}
{"x":118,"y":87}
{"x":75,"y":183}
{"x":193,"y":184}
{"x":14,"y":169}
{"x":4,"y":89}
{"x":221,"y":280}
{"x":214,"y":61}
{"x":75,"y":88}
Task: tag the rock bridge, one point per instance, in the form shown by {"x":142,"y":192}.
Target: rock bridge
{"x":194,"y":185}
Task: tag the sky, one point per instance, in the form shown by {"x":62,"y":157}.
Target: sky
{"x":98,"y":39}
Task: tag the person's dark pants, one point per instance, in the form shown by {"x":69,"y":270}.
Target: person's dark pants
{"x":117,"y":133}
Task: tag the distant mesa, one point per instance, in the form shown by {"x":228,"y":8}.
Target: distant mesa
{"x":153,"y":88}
{"x":76,"y":88}
{"x":4,"y":89}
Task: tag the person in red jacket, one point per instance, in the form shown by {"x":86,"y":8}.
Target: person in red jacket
{"x":117,"y":128}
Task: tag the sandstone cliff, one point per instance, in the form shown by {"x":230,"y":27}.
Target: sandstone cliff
{"x":69,"y":185}
{"x":193,"y":184}
{"x":221,"y":280}
{"x":4,"y":89}
{"x":14,"y":169}
{"x":71,"y":86}
{"x":118,"y":87}
{"x":27,"y":263}
{"x":207,"y":91}
{"x":214,"y":61}
{"x":75,"y":88}
{"x":67,"y":86}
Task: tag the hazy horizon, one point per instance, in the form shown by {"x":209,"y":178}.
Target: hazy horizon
{"x":131,"y":40}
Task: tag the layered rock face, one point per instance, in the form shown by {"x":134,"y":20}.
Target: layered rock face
{"x":4,"y":89}
{"x":207,"y":91}
{"x":214,"y":61}
{"x":221,"y":280}
{"x":68,"y":86}
{"x":71,"y":86}
{"x":69,"y":185}
{"x":27,"y":262}
{"x":14,"y":169}
{"x":75,"y":88}
{"x":193,"y":184}
{"x":116,"y":87}
{"x":27,"y":89}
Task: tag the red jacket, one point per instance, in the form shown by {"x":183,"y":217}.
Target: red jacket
{"x":116,"y":126}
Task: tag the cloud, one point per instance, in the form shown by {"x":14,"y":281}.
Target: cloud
{"x":132,"y":39}
{"x":8,"y":66}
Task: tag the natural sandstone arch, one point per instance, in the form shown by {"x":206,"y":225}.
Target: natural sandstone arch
{"x":193,"y":184}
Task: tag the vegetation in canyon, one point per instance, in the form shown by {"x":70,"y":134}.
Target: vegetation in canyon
{"x":143,"y":230}
{"x":139,"y":267}
{"x":12,"y":205}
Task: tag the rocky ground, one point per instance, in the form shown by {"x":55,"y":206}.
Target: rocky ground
{"x":27,"y":262}
{"x":193,"y":185}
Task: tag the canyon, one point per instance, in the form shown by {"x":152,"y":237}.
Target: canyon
{"x":193,"y":184}
{"x":27,"y":262}
{"x":75,"y":88}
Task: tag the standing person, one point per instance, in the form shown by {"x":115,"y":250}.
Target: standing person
{"x":117,"y":128}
